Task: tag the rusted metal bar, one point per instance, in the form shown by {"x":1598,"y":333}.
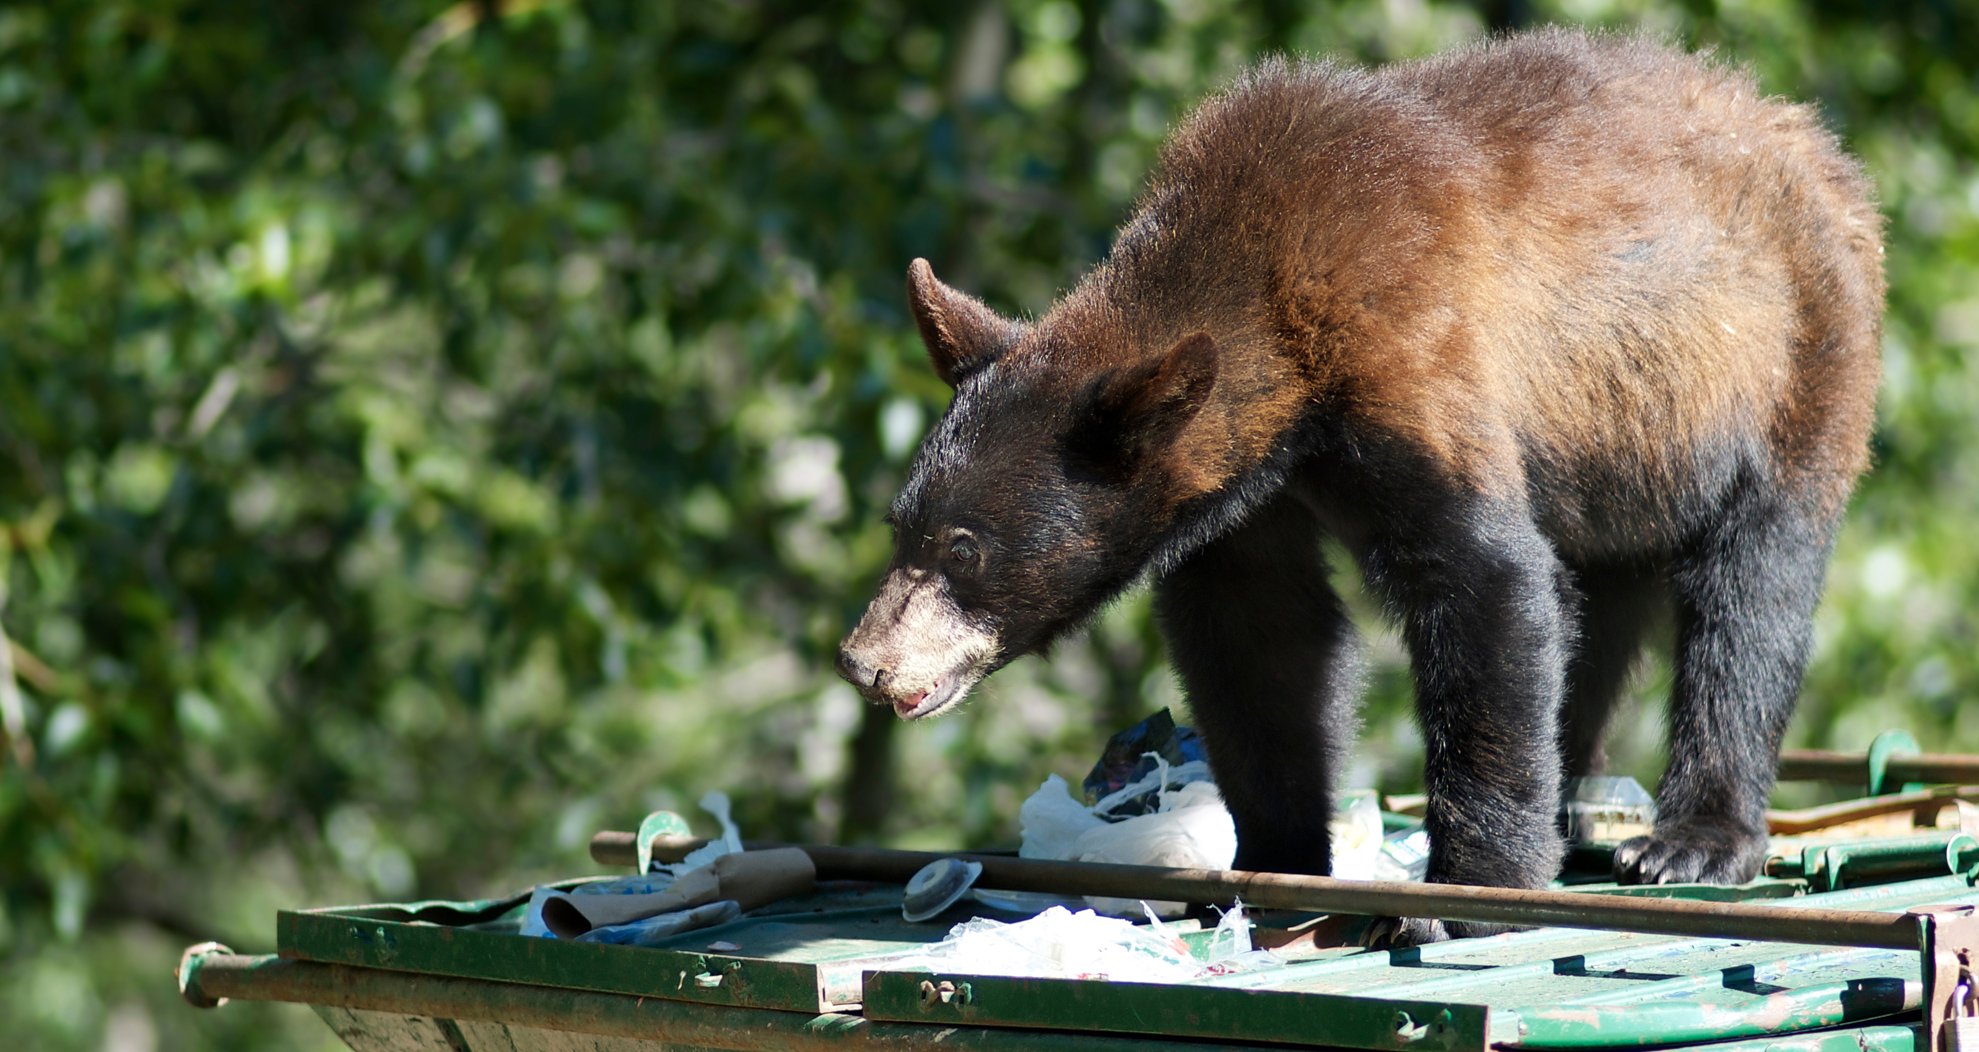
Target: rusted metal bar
{"x":215,"y":976}
{"x":1806,"y":820}
{"x":1389,"y":898}
{"x":1821,"y":765}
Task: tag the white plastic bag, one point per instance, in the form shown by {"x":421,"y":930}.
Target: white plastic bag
{"x":1053,"y":822}
{"x":1058,"y":944}
{"x":715,"y":802}
{"x":1191,"y":831}
{"x":1356,"y":834}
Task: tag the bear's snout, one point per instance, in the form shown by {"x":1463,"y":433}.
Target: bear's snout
{"x":859,"y":672}
{"x":915,"y":649}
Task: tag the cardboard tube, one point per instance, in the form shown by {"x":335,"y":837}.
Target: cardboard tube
{"x":750,"y":878}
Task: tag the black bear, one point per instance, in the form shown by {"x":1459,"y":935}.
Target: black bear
{"x":1551,"y":333}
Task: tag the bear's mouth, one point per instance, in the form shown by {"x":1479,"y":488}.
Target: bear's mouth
{"x":946,"y":694}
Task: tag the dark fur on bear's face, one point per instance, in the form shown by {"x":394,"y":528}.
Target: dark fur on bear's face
{"x":1558,"y":336}
{"x":995,"y":552}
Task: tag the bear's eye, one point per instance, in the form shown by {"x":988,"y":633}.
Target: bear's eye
{"x":963,"y":550}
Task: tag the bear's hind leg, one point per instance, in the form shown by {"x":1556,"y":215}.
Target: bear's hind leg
{"x":1271,"y":666}
{"x":1745,"y":591}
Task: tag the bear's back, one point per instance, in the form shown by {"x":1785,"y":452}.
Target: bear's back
{"x":1567,"y":262}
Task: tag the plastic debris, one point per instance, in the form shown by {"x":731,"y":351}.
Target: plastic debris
{"x":1191,"y":831}
{"x":655,"y":929}
{"x":1230,"y":949}
{"x":1131,"y":755}
{"x":1356,"y":834}
{"x":1058,"y":944}
{"x":1605,"y":808}
{"x":1029,"y":903}
{"x":716,"y":803}
{"x":1062,"y":944}
{"x":1163,"y":809}
{"x":1404,"y":855}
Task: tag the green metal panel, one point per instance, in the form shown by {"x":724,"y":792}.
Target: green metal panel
{"x":1547,"y":988}
{"x":1805,"y":1008}
{"x":458,"y":977}
{"x":800,"y":956}
{"x":396,"y":1012}
{"x":435,"y":950}
{"x":1164,"y":1009}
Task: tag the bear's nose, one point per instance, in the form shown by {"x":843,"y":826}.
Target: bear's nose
{"x":858,"y":672}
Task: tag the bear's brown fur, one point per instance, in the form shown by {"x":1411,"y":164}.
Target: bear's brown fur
{"x":1548,"y":332}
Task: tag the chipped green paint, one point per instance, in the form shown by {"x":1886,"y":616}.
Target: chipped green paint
{"x":430,"y":949}
{"x":1879,"y":1038}
{"x":1181,"y":1011}
{"x":1625,"y":1025}
{"x":394,"y":1012}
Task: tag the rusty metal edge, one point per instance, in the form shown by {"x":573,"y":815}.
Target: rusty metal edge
{"x":1821,"y":765}
{"x":1878,"y":1037}
{"x":214,"y":977}
{"x":1730,"y":920}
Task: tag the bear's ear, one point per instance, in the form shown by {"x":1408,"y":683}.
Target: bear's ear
{"x":1136,"y":414}
{"x":962,"y":334}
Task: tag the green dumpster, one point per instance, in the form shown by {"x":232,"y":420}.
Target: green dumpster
{"x":1845,"y":946}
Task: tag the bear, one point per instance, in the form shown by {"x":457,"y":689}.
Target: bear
{"x":1560,"y":336}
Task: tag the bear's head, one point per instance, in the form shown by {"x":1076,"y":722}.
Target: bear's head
{"x":1041,"y":493}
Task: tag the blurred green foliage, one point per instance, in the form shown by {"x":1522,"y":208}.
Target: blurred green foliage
{"x":430,"y":435}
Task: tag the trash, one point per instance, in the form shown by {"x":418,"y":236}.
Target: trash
{"x":670,"y":899}
{"x":937,"y":886}
{"x":1163,"y":809}
{"x":659,"y":927}
{"x":1030,"y":903}
{"x":1058,"y":944}
{"x":1061,"y":944}
{"x":1149,"y":795}
{"x":648,"y":884}
{"x":1356,"y":835}
{"x":749,"y":878}
{"x":1192,"y":830}
{"x":1404,"y":855}
{"x":1130,"y":756}
{"x":1230,"y":949}
{"x":716,"y":803}
{"x":1605,"y":809}
{"x":1052,"y":821}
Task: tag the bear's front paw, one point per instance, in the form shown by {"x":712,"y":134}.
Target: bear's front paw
{"x":1395,"y":933}
{"x":1704,"y":852}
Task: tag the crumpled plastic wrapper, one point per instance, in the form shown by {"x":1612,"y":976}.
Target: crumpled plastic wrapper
{"x":1061,"y":944}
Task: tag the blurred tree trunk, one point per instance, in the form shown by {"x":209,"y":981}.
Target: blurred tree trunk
{"x":869,"y":785}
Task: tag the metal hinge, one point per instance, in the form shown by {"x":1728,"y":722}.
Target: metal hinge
{"x":1948,"y":936}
